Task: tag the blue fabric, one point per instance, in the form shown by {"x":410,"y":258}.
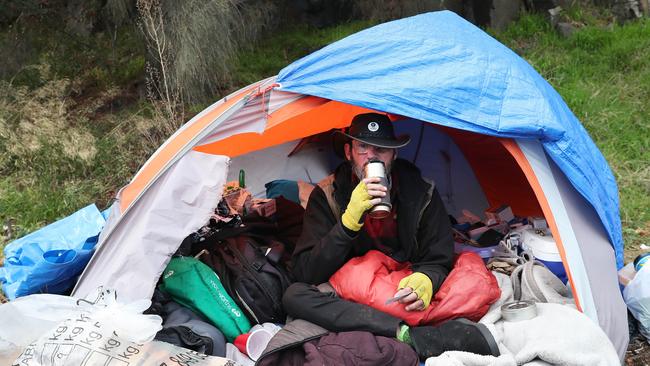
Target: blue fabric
{"x":282,"y":187}
{"x":439,"y":68}
{"x":106,"y":213}
{"x":49,"y":259}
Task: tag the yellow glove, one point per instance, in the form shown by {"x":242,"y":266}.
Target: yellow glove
{"x":421,"y":285}
{"x":359,"y":203}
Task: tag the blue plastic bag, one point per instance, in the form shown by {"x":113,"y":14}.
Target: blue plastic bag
{"x":50,"y":259}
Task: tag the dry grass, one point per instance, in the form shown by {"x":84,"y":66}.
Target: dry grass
{"x":32,"y":118}
{"x":193,"y":44}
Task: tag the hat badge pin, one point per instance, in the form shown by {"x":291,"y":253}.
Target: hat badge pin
{"x":373,"y":126}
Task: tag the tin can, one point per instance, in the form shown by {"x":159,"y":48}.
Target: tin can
{"x":376,"y":168}
{"x":518,"y":310}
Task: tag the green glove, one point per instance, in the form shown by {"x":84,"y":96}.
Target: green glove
{"x":359,"y":203}
{"x":421,"y":285}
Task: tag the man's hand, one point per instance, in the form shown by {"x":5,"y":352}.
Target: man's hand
{"x":361,"y":201}
{"x":421,"y":291}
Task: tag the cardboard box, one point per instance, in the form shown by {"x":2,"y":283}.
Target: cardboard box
{"x":501,"y":213}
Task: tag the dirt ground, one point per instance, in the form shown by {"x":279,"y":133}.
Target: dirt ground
{"x":638,"y":353}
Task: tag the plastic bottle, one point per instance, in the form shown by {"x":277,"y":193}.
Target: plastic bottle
{"x":242,"y":178}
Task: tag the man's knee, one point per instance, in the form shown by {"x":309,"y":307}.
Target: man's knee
{"x":300,"y":296}
{"x":294,"y":295}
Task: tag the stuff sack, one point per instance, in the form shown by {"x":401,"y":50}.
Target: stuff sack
{"x":194,"y":285}
{"x":50,"y":259}
{"x":251,"y":271}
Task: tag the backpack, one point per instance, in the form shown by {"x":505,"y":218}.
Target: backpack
{"x":250,"y":270}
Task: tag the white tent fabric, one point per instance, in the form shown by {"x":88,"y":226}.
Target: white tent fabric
{"x":311,"y":164}
{"x":178,"y":203}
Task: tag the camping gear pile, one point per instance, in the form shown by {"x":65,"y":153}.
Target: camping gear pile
{"x":487,"y":129}
{"x":230,"y":275}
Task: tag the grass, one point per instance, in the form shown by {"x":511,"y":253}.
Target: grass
{"x":272,"y":54}
{"x":69,"y":122}
{"x":83,"y":147}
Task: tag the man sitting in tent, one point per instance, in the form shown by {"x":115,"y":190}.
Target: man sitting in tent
{"x":336,"y":228}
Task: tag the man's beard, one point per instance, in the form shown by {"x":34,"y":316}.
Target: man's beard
{"x":356,"y":169}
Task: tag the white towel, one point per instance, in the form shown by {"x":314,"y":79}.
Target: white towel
{"x":559,"y":335}
{"x":458,"y":358}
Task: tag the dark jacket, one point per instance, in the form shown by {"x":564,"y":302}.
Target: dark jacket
{"x":303,"y":343}
{"x":423,"y":227}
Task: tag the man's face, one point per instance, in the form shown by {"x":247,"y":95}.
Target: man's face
{"x":359,"y":153}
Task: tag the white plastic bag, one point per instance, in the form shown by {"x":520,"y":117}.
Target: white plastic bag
{"x":637,"y":298}
{"x":28,"y":318}
{"x":126,"y":320}
{"x":84,"y":341}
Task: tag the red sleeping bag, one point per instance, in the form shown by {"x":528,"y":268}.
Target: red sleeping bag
{"x":372,"y":279}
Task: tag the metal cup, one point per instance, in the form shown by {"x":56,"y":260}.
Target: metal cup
{"x":376,"y":168}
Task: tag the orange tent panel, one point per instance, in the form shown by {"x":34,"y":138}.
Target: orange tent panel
{"x":498,"y":173}
{"x":294,"y":121}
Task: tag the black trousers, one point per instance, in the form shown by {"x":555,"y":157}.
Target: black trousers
{"x":329,"y":311}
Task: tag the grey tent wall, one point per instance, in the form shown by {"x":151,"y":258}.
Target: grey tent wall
{"x":600,"y":263}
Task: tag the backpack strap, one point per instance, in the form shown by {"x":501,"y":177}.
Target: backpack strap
{"x":327,"y":185}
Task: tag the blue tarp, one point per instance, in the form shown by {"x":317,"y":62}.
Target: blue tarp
{"x":439,"y":68}
{"x":50,"y":259}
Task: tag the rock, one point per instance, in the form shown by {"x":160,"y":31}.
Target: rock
{"x":645,"y":6}
{"x":565,"y":29}
{"x":554,"y":15}
{"x":504,"y":12}
{"x":628,"y":9}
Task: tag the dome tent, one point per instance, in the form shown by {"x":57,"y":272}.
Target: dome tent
{"x":489,"y":130}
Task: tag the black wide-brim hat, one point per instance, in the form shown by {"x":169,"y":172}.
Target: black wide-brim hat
{"x":371,"y":128}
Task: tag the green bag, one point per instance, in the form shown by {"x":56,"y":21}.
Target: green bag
{"x":195,"y":285}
